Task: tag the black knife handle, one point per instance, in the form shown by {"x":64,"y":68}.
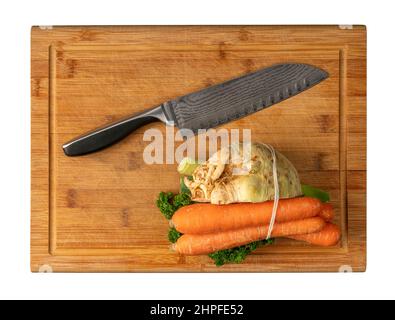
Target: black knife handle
{"x":107,"y":135}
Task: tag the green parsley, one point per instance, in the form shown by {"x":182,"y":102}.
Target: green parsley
{"x":309,"y":191}
{"x":238,"y":254}
{"x":173,"y":235}
{"x":168,"y":203}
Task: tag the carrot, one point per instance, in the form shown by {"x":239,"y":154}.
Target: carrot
{"x":193,"y":244}
{"x":328,"y":236}
{"x":202,"y":218}
{"x":327,"y":213}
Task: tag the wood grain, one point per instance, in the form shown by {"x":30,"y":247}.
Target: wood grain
{"x":97,"y":212}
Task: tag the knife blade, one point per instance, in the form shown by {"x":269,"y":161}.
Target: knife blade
{"x":210,"y":107}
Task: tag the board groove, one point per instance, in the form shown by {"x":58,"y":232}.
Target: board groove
{"x":52,"y":147}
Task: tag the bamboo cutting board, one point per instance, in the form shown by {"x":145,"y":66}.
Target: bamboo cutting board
{"x":97,"y":212}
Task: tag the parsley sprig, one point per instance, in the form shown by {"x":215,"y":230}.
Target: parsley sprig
{"x":238,"y":254}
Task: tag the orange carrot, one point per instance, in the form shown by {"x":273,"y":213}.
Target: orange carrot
{"x":193,"y":244}
{"x":328,"y":236}
{"x":327,"y":213}
{"x":202,"y":218}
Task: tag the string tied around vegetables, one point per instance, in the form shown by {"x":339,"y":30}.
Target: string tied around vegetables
{"x":276,"y":191}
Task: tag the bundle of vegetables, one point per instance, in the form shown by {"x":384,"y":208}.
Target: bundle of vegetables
{"x":226,"y":214}
{"x":207,"y":228}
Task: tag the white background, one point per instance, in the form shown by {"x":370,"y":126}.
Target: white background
{"x":16,"y":281}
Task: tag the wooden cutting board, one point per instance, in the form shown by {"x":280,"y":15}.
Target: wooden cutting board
{"x":98,"y":213}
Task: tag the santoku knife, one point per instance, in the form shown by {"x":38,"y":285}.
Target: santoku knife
{"x":209,"y":107}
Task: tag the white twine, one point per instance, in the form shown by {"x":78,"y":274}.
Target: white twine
{"x":276,"y":191}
